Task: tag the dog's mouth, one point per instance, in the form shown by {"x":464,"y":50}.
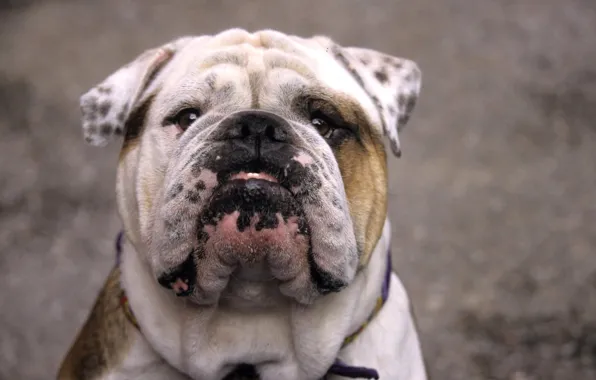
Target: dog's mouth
{"x":253,"y":200}
{"x":250,"y":193}
{"x":260,"y":219}
{"x":249,"y":219}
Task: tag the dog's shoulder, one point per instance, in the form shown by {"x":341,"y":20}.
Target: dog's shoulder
{"x":105,"y":338}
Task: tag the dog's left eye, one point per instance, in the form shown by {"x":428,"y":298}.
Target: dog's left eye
{"x":328,"y":122}
{"x":186,"y":118}
{"x":322,"y":126}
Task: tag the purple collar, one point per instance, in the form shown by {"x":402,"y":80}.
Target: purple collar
{"x":342,"y":369}
{"x":338,"y":368}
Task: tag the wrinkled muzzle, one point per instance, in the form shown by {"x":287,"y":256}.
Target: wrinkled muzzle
{"x":251,"y":191}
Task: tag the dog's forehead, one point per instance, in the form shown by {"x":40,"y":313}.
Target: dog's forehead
{"x":237,"y":54}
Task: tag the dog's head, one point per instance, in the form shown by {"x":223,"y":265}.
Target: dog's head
{"x":253,"y":149}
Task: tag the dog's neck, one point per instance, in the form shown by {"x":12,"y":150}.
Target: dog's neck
{"x":309,"y":336}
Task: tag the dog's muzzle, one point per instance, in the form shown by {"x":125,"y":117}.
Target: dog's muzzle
{"x":253,"y":216}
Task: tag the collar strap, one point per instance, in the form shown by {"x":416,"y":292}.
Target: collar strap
{"x":378,"y":305}
{"x":338,"y":368}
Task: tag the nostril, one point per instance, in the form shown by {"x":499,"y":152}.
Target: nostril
{"x":270,"y":132}
{"x":245,"y":130}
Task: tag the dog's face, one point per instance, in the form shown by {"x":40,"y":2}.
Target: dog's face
{"x":253,"y":150}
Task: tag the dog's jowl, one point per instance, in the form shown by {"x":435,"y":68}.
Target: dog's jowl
{"x":252,"y":187}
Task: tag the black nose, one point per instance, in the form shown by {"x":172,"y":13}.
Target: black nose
{"x":255,"y":129}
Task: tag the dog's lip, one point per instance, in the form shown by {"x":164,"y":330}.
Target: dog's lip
{"x":243,"y":175}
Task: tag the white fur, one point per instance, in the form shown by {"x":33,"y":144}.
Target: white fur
{"x":296,"y":342}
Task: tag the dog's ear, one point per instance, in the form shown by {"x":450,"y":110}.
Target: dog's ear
{"x":106,"y":107}
{"x":392,"y":83}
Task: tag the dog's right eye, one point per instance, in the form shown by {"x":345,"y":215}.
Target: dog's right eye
{"x":186,"y":118}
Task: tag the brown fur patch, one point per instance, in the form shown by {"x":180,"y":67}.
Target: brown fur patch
{"x":363,"y":166}
{"x":105,"y":338}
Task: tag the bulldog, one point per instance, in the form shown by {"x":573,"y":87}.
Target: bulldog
{"x":252,"y":187}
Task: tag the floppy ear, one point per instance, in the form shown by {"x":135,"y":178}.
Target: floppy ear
{"x":392,"y":83}
{"x":107,"y":106}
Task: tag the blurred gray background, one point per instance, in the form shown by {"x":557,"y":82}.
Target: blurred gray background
{"x":493,"y":203}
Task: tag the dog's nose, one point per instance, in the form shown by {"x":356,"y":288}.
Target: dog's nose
{"x":255,"y":129}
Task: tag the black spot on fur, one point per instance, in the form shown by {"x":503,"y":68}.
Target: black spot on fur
{"x":243,"y":221}
{"x":196,"y":169}
{"x":267,"y":221}
{"x":177,"y":189}
{"x":104,"y":90}
{"x":381,"y":76}
{"x":401,"y":101}
{"x":105,"y":129}
{"x":171,"y":225}
{"x":93,"y":129}
{"x":379,"y":107}
{"x":193,"y":196}
{"x":92,"y":105}
{"x":104,"y":108}
{"x":92,"y":116}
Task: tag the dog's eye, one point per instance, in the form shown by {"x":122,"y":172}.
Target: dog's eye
{"x":186,"y":118}
{"x":326,"y":119}
{"x":322,"y":126}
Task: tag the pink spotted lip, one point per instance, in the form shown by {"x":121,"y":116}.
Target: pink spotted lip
{"x":246,"y":176}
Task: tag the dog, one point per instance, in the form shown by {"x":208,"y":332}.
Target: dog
{"x":252,"y":187}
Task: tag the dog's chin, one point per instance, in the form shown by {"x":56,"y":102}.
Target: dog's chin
{"x":250,"y":217}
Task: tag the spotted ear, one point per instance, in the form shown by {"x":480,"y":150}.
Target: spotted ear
{"x":392,"y":83}
{"x":106,"y":107}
